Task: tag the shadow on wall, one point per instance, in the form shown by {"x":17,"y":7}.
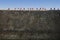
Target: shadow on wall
{"x":57,"y":27}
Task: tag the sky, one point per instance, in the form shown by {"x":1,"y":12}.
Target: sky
{"x":29,"y":4}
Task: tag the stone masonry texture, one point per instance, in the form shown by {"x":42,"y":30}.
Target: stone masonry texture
{"x":30,"y":25}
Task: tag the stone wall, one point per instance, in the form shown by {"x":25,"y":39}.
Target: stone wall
{"x":29,"y":25}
